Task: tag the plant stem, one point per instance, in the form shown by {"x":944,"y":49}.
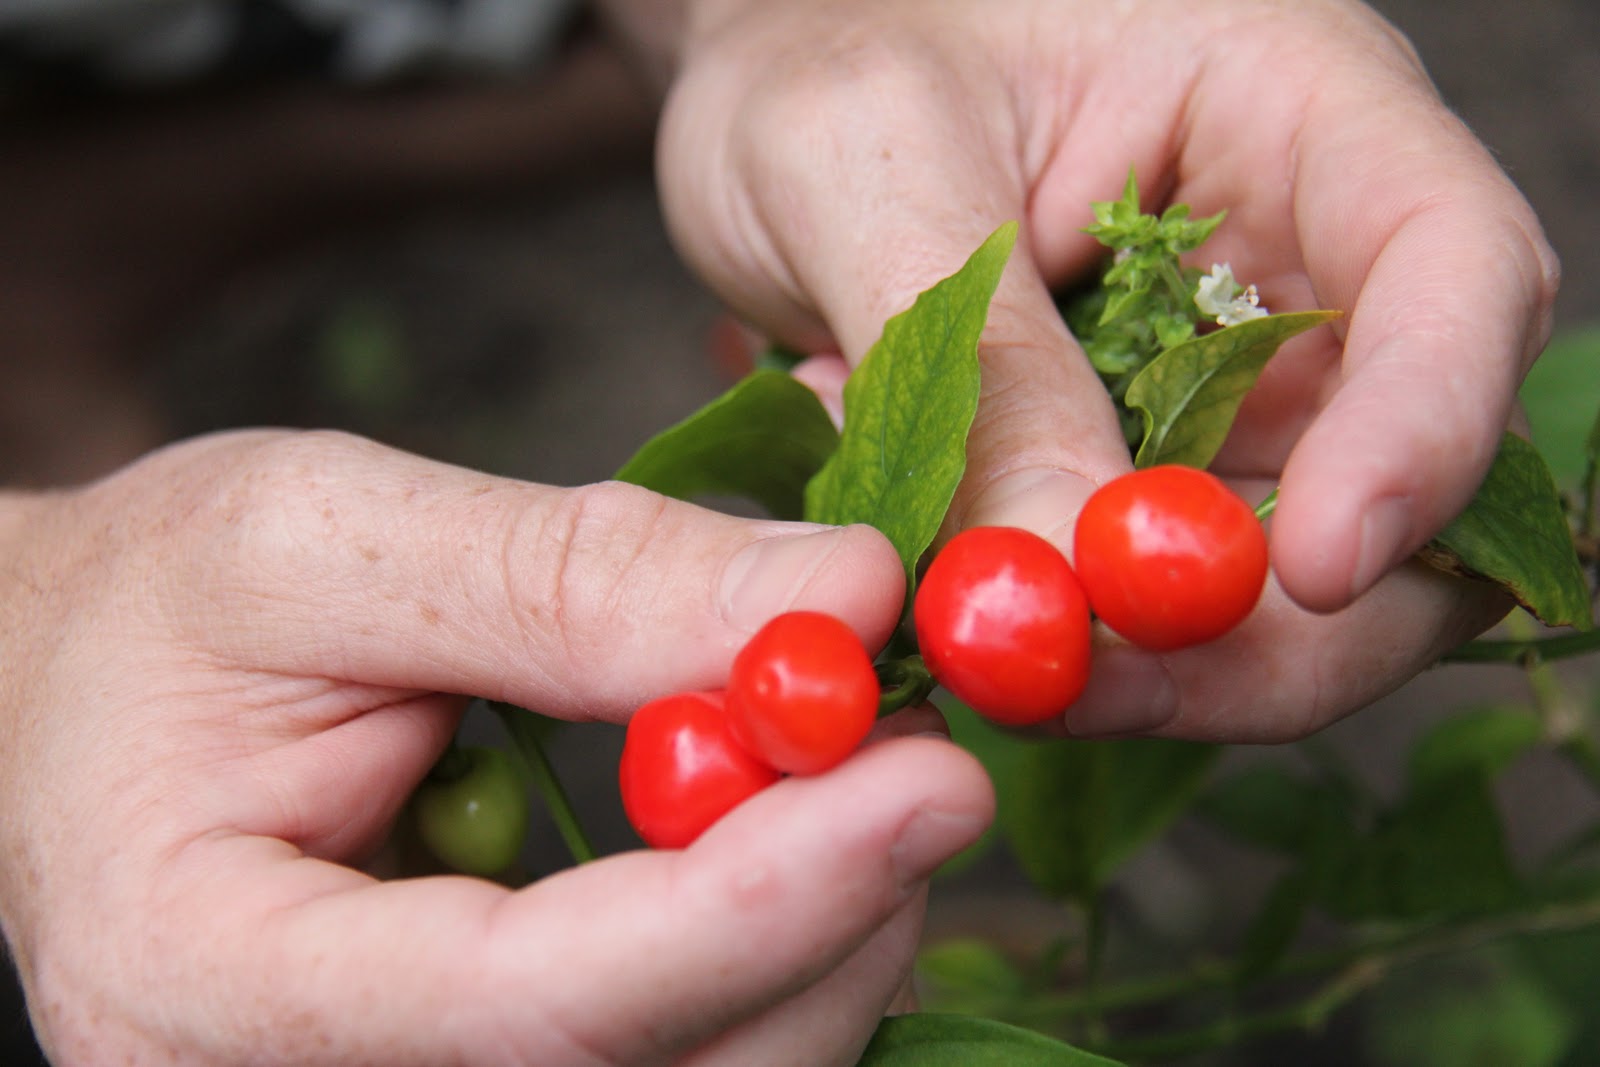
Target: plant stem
{"x":1175,"y":284}
{"x":906,"y":682}
{"x":1354,"y":969}
{"x":1308,"y":1014}
{"x":1523,"y":652}
{"x":524,"y":732}
{"x":1267,"y":505}
{"x":1363,"y":973}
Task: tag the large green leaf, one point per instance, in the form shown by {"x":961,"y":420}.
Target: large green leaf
{"x":1271,"y":932}
{"x":1562,"y":398}
{"x":1000,"y":751}
{"x":762,"y":440}
{"x":907,"y":410}
{"x":1189,"y":394}
{"x":1487,"y":1010}
{"x":1477,"y":743}
{"x":928,"y":1040}
{"x":1263,"y":805}
{"x":1442,"y":851}
{"x":1073,"y":811}
{"x":1514,"y":532}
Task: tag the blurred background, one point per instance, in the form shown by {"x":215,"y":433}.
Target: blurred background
{"x":475,"y":268}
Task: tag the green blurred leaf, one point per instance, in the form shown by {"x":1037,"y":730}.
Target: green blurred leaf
{"x":1262,"y":805}
{"x":907,"y":411}
{"x":363,"y":360}
{"x":1562,"y":398}
{"x":1514,"y":532}
{"x":1271,"y":932}
{"x":1482,"y":1011}
{"x":1073,"y":811}
{"x":762,"y":440}
{"x":1344,"y":869}
{"x":968,"y":966}
{"x":998,"y":751}
{"x":928,"y":1040}
{"x":1443,"y":852}
{"x":1567,"y":964}
{"x":1438,"y":850}
{"x":1189,"y":394}
{"x":1478,"y":743}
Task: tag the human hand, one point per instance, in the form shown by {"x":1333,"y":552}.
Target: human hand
{"x":227,"y":665}
{"x":822,"y":162}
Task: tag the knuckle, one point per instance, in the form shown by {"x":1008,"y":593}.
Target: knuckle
{"x":275,"y":504}
{"x":588,"y":548}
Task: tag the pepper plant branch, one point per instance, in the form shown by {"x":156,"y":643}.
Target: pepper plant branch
{"x":1525,"y":651}
{"x":906,"y":682}
{"x":1354,"y":968}
{"x":525,"y":734}
{"x":1268,"y":505}
{"x":1309,"y":1014}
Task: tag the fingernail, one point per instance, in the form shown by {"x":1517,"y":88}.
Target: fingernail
{"x":928,"y":839}
{"x":1384,"y":529}
{"x":1129,"y":692}
{"x":764,"y":578}
{"x":1042,"y":499}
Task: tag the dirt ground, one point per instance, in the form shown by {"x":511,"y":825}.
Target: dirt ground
{"x":509,"y":299}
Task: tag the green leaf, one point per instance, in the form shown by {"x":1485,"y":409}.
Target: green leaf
{"x":1344,"y":870}
{"x":762,"y":440}
{"x":1189,"y":394}
{"x":1073,"y":811}
{"x":1272,"y":930}
{"x":1443,"y":852}
{"x":1484,"y":1011}
{"x":1567,"y":964}
{"x":928,"y":1040}
{"x":1262,"y":805}
{"x":968,"y":966}
{"x":1514,"y":532}
{"x":999,"y":751}
{"x":1441,"y":849}
{"x":907,"y":411}
{"x":1562,"y":397}
{"x":1478,"y":743}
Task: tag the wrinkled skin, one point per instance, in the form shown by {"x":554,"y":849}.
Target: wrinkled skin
{"x":224,"y":667}
{"x":227,"y":666}
{"x":824,"y":161}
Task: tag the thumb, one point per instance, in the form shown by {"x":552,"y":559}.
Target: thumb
{"x":374,"y":566}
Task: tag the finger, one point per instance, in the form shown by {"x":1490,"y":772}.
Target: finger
{"x":354,"y":561}
{"x":825,"y":375}
{"x":832,"y":1021}
{"x":626,"y":960}
{"x":1409,"y":223}
{"x":846,"y":222}
{"x":1285,"y":672}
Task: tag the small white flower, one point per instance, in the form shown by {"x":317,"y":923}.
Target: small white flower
{"x":1219,"y":297}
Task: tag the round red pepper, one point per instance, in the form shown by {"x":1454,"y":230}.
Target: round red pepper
{"x":1004,"y":625}
{"x":1170,"y":556}
{"x":802,"y":694}
{"x":681,"y":769}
